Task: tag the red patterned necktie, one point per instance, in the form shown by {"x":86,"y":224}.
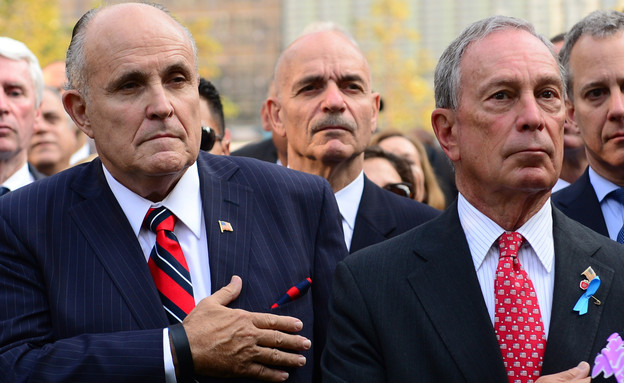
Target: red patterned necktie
{"x":517,"y":320}
{"x":168,"y":266}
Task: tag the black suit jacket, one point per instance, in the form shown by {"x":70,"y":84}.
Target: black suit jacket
{"x":579,"y":202}
{"x":262,"y":150}
{"x":78,"y":301}
{"x":411,"y":309}
{"x":383,"y":214}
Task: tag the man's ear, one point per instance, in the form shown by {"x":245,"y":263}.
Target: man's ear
{"x":274,"y":108}
{"x":570,"y":115}
{"x":76,"y":107}
{"x":445,"y":129}
{"x":376,"y":105}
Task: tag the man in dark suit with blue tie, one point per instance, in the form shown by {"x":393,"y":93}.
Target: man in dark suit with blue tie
{"x":592,"y":57}
{"x":325,"y":107}
{"x":21,"y":92}
{"x":490,"y":290}
{"x":90,"y":294}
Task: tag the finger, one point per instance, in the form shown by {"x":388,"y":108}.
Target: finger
{"x":278,"y":339}
{"x":583,"y":370}
{"x":261,"y":372}
{"x":228,"y":293}
{"x":276,"y":322}
{"x":274,"y":357}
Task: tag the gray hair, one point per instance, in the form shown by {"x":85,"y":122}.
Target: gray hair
{"x":16,"y":51}
{"x":75,"y":61}
{"x":599,"y":24}
{"x":448,"y":73}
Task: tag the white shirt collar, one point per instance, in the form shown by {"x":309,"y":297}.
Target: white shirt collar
{"x":21,"y":177}
{"x":481,"y":232}
{"x":601,"y":185}
{"x":348,"y":199}
{"x":184,"y":201}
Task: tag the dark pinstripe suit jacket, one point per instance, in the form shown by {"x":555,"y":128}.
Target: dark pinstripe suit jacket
{"x":77,"y":300}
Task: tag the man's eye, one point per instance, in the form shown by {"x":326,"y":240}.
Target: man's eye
{"x":14,"y":92}
{"x":499,"y":96}
{"x":548,"y":94}
{"x":353,"y":86}
{"x":594,"y":93}
{"x":128,"y":86}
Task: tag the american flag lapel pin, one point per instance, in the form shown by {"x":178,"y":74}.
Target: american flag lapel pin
{"x":225,"y":226}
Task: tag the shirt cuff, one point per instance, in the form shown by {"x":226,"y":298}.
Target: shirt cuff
{"x":170,"y":376}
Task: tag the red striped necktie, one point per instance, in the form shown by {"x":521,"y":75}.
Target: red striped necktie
{"x":168,"y":266}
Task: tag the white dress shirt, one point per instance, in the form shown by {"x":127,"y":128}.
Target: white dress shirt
{"x":21,"y":177}
{"x":612,"y":210}
{"x":536,"y":255}
{"x":348,"y":199}
{"x":185,"y":203}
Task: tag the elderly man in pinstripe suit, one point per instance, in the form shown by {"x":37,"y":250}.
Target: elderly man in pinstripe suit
{"x":78,"y":299}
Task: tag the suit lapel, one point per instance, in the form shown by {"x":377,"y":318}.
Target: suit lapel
{"x":105,"y":227}
{"x":580,"y":203}
{"x":572,"y":336}
{"x":373,"y":224}
{"x":225,"y":200}
{"x":448,"y":288}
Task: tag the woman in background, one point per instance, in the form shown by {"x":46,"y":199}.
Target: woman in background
{"x":426,"y":186}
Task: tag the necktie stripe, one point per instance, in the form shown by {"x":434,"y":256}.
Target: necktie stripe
{"x":166,"y":259}
{"x":174,"y":274}
{"x":172,"y":311}
{"x":174,"y":292}
{"x":168,"y":266}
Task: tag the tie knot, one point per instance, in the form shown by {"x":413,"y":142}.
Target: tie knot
{"x":618,"y":195}
{"x":159,"y":218}
{"x":509,"y":243}
{"x":4,"y":190}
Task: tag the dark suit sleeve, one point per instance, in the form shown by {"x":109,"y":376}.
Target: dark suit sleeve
{"x":351,"y":353}
{"x":29,"y":350}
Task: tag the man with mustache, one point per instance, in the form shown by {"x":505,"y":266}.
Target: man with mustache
{"x":325,"y":107}
{"x":489,"y":291}
{"x":592,"y":55}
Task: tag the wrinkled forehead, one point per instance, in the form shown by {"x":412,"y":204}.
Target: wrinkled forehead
{"x":133,"y":27}
{"x":15,"y":72}
{"x":322,"y":54}
{"x":507,"y":53}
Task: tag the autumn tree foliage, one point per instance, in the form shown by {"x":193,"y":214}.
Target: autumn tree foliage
{"x":402,"y":72}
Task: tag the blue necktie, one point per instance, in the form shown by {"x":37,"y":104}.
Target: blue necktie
{"x":618,"y":195}
{"x":4,"y":190}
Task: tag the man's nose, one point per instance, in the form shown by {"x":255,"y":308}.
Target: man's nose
{"x":334,"y":99}
{"x":159,"y":106}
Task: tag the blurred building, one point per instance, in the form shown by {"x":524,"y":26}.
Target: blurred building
{"x":251,"y":33}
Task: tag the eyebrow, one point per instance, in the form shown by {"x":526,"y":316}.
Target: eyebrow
{"x":541,"y":81}
{"x":593,"y":84}
{"x":141,"y":76}
{"x":311,"y":79}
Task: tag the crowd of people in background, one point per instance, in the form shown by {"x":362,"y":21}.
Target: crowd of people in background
{"x":136,"y":244}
